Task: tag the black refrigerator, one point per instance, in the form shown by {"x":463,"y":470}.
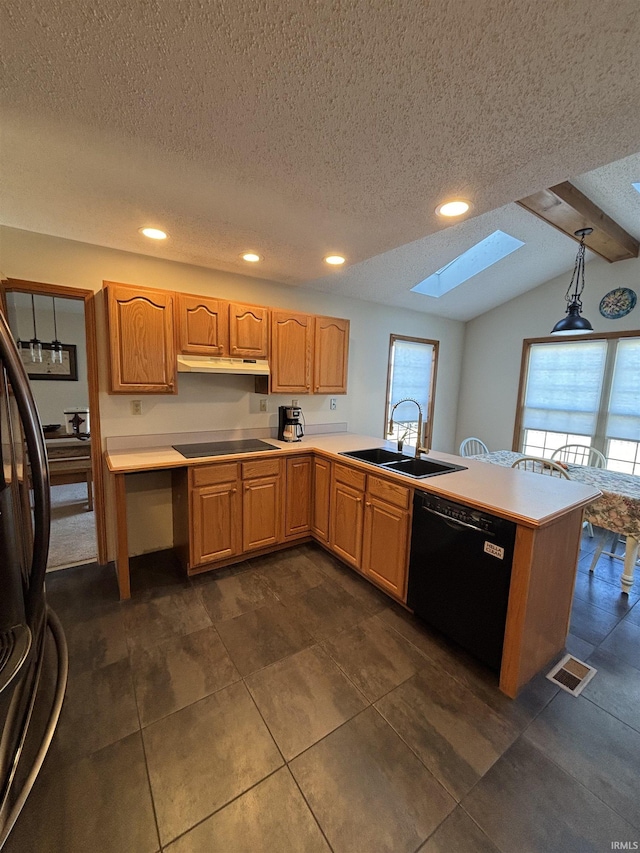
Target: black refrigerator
{"x":26,"y":622}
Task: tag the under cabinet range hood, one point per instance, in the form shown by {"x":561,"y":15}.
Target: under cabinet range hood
{"x":208,"y":364}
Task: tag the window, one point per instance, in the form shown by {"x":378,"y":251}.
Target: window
{"x":411,"y":373}
{"x":583,"y":391}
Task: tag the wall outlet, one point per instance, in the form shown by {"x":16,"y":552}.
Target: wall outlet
{"x":263,"y":405}
{"x":332,"y":403}
{"x":136,"y":407}
{"x":294,"y":402}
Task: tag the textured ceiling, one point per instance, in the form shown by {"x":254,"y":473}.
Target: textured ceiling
{"x":298,"y":129}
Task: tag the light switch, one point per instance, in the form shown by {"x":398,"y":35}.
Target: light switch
{"x":136,"y":407}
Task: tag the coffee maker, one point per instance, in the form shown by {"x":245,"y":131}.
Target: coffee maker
{"x":289,"y":426}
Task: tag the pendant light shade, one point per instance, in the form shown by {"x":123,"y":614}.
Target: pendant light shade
{"x":34,"y":344}
{"x":56,"y":346}
{"x":574,"y":323}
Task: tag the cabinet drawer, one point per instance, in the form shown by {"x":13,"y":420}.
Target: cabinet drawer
{"x":349,"y":476}
{"x":260,"y":468}
{"x":390,"y":492}
{"x":210,"y":475}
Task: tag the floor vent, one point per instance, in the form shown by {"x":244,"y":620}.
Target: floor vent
{"x":571,"y":674}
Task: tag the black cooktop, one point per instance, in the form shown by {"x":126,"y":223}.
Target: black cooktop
{"x":222,"y":448}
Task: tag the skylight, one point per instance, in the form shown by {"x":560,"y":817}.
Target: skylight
{"x":636,"y":185}
{"x":476,"y":259}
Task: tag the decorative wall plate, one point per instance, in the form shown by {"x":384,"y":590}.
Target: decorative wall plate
{"x":617,"y":303}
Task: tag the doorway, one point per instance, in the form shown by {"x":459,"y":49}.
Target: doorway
{"x":61,"y":367}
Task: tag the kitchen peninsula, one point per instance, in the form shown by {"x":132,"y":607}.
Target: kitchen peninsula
{"x":233,"y":507}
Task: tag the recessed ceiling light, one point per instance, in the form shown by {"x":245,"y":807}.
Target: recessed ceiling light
{"x":334,"y":260}
{"x":154,"y":233}
{"x":252,"y":257}
{"x":453,"y":208}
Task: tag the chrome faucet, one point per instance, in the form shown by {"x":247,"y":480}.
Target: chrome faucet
{"x":420,"y":440}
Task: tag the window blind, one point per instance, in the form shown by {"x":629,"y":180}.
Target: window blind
{"x":564,"y":386}
{"x":624,"y":405}
{"x":411,"y":366}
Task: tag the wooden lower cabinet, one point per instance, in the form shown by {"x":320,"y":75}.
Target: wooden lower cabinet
{"x":297,"y":513}
{"x":321,"y":490}
{"x":260,"y":513}
{"x":347,"y":514}
{"x":385,"y":551}
{"x":261,"y":503}
{"x":215,"y":523}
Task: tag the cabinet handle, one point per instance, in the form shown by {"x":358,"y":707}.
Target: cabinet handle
{"x":359,"y":500}
{"x":368,"y":503}
{"x":233,"y":491}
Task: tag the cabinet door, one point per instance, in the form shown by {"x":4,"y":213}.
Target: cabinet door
{"x":291,"y":341}
{"x":261,"y":520}
{"x":298,"y":496}
{"x":330,"y":358}
{"x":248,"y":331}
{"x":386,"y":536}
{"x":215,"y":523}
{"x":347,"y":512}
{"x":203,"y":327}
{"x":142,"y":352}
{"x":321,"y":495}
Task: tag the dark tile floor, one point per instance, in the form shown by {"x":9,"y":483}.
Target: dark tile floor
{"x":287,"y":705}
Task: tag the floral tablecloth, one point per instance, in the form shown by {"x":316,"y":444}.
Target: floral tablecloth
{"x":617,"y":509}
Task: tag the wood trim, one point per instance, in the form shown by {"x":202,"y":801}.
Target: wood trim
{"x":88,"y":296}
{"x":542,"y":580}
{"x":122,"y":537}
{"x":567,"y":209}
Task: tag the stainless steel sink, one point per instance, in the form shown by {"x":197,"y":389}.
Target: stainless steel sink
{"x":376,"y":455}
{"x":399,"y":463}
{"x":423,"y":467}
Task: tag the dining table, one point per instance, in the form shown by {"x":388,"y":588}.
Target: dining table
{"x":617,"y":509}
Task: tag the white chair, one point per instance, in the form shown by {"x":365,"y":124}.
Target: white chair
{"x":540,"y":466}
{"x":579,"y":454}
{"x":472,"y":447}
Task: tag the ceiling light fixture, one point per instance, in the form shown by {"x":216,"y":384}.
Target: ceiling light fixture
{"x":334,"y":260}
{"x":251,"y":257}
{"x":574,"y":323}
{"x":154,"y":233}
{"x":453,"y":208}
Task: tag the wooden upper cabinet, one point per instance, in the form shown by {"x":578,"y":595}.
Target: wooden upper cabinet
{"x":142,"y":353}
{"x":248,"y":331}
{"x":330,"y":356}
{"x":291,"y":342}
{"x":203,"y":325}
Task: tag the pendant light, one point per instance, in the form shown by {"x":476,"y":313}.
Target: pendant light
{"x":56,"y":346}
{"x":574,"y":323}
{"x":34,"y":344}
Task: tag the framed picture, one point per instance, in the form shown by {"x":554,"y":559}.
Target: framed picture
{"x":45,"y":369}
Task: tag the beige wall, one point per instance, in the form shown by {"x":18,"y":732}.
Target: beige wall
{"x":493,"y":346}
{"x":218,"y":402}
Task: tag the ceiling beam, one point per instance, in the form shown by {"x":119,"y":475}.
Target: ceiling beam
{"x":568,"y":210}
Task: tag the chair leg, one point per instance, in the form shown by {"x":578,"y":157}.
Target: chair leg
{"x":603,"y":539}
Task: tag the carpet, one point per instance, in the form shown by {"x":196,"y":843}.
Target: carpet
{"x":73,"y":527}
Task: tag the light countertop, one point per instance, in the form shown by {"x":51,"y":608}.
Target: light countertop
{"x":527,"y":498}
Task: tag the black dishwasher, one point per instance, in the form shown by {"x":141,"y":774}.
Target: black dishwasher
{"x":459,"y":573}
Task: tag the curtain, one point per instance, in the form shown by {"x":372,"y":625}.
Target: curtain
{"x":624,"y":405}
{"x":411,"y":367}
{"x":564,"y":386}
